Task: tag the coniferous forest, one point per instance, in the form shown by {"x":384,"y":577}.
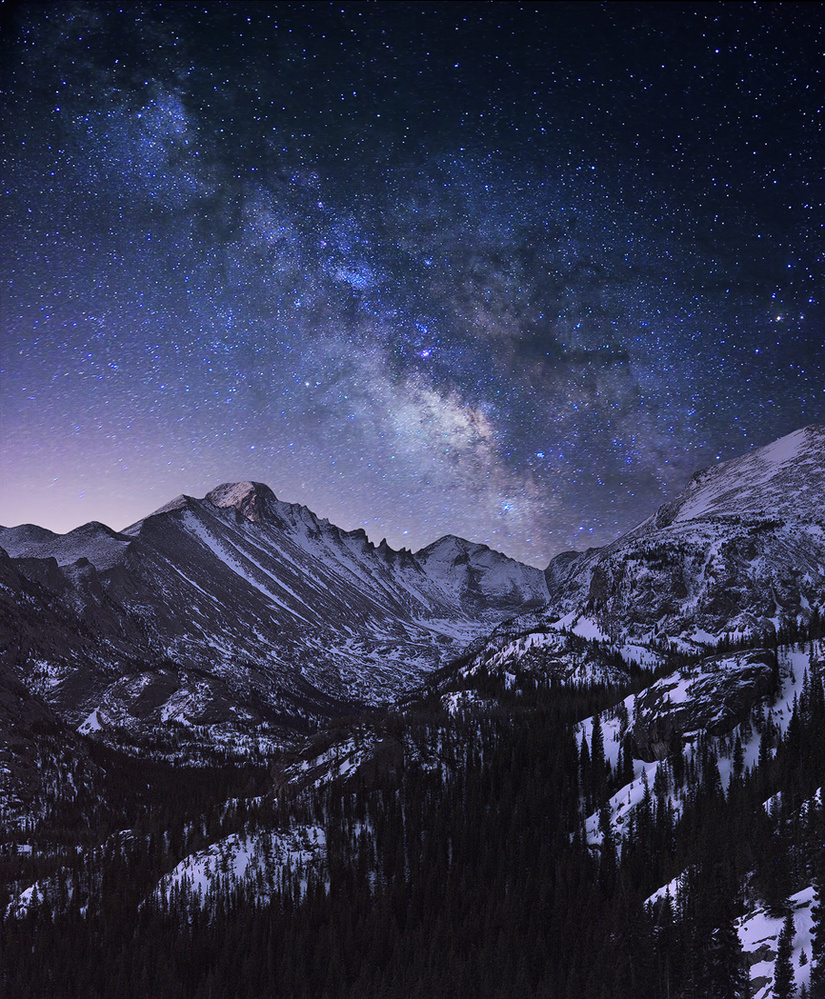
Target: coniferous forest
{"x":465,"y":872}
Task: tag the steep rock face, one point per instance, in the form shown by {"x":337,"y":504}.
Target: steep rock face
{"x":237,"y":612}
{"x":713,"y":696}
{"x":561,"y":567}
{"x":696,"y":580}
{"x":57,"y":650}
{"x":738,"y":555}
{"x":740,"y":551}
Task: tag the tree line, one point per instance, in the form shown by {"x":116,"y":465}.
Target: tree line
{"x":469,"y":873}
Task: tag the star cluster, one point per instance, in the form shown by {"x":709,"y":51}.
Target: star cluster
{"x":508,"y":271}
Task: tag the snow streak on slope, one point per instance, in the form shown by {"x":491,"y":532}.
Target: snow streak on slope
{"x":231,"y":557}
{"x":784,"y":479}
{"x":759,"y":936}
{"x":239,"y":610}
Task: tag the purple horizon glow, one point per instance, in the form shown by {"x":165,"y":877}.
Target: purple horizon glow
{"x":510,"y":271}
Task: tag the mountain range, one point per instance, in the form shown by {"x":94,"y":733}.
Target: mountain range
{"x":682,"y":666}
{"x":238,"y":620}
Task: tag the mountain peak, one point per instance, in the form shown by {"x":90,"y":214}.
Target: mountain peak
{"x":248,"y":498}
{"x":783,"y":480}
{"x":452,"y":546}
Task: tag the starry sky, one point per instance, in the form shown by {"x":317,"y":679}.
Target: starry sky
{"x":509,"y":271}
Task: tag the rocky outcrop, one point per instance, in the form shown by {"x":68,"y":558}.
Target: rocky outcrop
{"x":713,"y":697}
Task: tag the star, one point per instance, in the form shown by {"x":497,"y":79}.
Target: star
{"x":508,"y":272}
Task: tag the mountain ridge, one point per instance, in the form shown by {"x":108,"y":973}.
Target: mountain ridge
{"x":778,"y":479}
{"x":647,"y":743}
{"x":238,"y":614}
{"x":284,"y":618}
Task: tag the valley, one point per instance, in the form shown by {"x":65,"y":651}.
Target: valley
{"x":246,"y":753}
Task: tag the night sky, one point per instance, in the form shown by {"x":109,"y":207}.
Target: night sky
{"x":509,"y":271}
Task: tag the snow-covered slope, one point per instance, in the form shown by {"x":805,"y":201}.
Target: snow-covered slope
{"x":739,"y":554}
{"x":759,"y":935}
{"x":240,"y":616}
{"x":262,"y":864}
{"x":783,"y":480}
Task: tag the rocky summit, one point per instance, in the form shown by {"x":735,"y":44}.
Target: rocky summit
{"x":235,"y":621}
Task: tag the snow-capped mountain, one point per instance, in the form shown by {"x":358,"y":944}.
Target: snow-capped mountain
{"x":740,"y":553}
{"x":634,"y":760}
{"x":785,"y":479}
{"x":239,"y":613}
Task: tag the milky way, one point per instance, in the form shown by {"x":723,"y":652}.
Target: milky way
{"x":507,"y":271}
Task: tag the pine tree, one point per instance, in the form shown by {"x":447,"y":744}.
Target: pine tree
{"x":597,"y":760}
{"x":738,"y":763}
{"x":726,"y":974}
{"x":782,"y":970}
{"x":818,"y":913}
{"x":585,"y":771}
